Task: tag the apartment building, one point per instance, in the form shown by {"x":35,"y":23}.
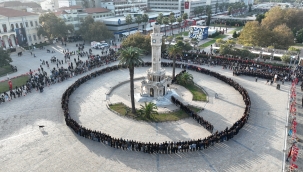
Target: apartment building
{"x":18,"y":28}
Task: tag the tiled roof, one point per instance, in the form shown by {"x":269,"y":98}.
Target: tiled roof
{"x":71,"y":7}
{"x":96,"y":10}
{"x":7,"y":12}
{"x":60,"y":12}
{"x":31,"y":4}
{"x":11,"y":4}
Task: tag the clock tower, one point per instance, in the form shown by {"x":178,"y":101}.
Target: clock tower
{"x":156,"y":83}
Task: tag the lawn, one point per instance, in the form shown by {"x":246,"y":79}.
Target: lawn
{"x":182,"y":34}
{"x":161,"y":117}
{"x":5,"y":70}
{"x":212,"y":41}
{"x":198,"y":94}
{"x":19,"y":81}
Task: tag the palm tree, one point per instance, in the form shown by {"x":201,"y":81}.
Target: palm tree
{"x":159,"y":19}
{"x":165,"y":21}
{"x":217,"y":5}
{"x":148,"y":109}
{"x":184,"y":17}
{"x":145,"y":19}
{"x":201,"y":10}
{"x":185,"y":78}
{"x":130,"y":57}
{"x":196,"y":11}
{"x":172,"y":20}
{"x":221,"y":6}
{"x":179,"y":20}
{"x":128,"y":20}
{"x":138,"y":20}
{"x":173,"y":51}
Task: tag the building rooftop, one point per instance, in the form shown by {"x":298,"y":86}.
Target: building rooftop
{"x":7,"y":12}
{"x":18,"y":4}
{"x":71,"y":7}
{"x":96,"y":10}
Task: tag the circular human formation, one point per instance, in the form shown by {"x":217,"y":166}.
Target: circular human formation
{"x":165,"y":147}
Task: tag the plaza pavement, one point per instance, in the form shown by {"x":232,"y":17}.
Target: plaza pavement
{"x":23,"y":147}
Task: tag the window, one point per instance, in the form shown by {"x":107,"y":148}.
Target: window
{"x":4,"y":27}
{"x":30,"y":38}
{"x":31,"y":23}
{"x":39,"y":37}
{"x":12,"y":27}
{"x":17,"y":26}
{"x":34,"y":37}
{"x":21,"y":25}
{"x":36,"y":23}
{"x":26,"y":24}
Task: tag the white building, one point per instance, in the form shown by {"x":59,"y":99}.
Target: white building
{"x":184,"y":6}
{"x":18,"y":28}
{"x":75,"y":14}
{"x":121,"y":7}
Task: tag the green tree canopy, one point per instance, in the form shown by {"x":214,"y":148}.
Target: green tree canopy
{"x":159,"y":18}
{"x":138,"y":40}
{"x":5,"y":58}
{"x":52,"y":27}
{"x":185,"y":78}
{"x":128,"y":20}
{"x":173,"y":51}
{"x":286,"y":58}
{"x":148,"y":109}
{"x":138,"y":20}
{"x":97,"y":32}
{"x":130,"y":57}
{"x":94,"y":31}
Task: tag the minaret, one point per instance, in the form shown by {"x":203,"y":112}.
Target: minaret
{"x":156,"y":42}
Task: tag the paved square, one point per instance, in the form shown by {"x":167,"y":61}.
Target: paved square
{"x":23,"y":147}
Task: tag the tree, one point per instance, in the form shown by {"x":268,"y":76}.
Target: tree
{"x":224,"y":49}
{"x":128,"y":20}
{"x":51,"y":26}
{"x":216,"y":5}
{"x":249,"y":9}
{"x":165,"y":21}
{"x":145,"y":19}
{"x":138,"y":40}
{"x":208,"y":19}
{"x":187,"y":47}
{"x":173,"y":51}
{"x":221,"y":6}
{"x":159,"y":18}
{"x":285,"y":58}
{"x":148,"y":109}
{"x":235,"y":35}
{"x":230,"y":10}
{"x":179,"y":20}
{"x":299,"y":36}
{"x":85,"y":25}
{"x":260,"y":17}
{"x":185,"y":17}
{"x":185,"y":78}
{"x":5,"y":58}
{"x":283,"y":37}
{"x":138,"y":20}
{"x":201,"y":10}
{"x":130,"y":57}
{"x":293,"y":49}
{"x":97,"y":31}
{"x":208,"y":9}
{"x":172,"y":20}
{"x":196,"y":11}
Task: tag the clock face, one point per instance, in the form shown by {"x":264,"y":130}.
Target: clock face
{"x":154,"y":41}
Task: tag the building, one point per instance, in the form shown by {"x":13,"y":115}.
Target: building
{"x":184,"y":6}
{"x":75,"y":14}
{"x":121,"y":7}
{"x":18,"y":28}
{"x":23,"y":6}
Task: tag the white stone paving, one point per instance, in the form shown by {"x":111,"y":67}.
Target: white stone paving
{"x":23,"y":147}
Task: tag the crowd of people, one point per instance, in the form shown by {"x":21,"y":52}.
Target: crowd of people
{"x":165,"y":147}
{"x":40,"y":79}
